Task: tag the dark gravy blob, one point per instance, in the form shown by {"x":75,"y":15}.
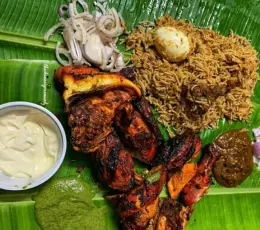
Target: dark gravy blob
{"x":236,"y":158}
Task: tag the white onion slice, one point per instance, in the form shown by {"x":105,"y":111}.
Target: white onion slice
{"x":90,"y":38}
{"x":60,"y":51}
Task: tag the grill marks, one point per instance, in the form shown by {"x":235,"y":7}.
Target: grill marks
{"x":143,"y":107}
{"x":136,"y":132}
{"x":114,"y":163}
{"x":91,"y":119}
{"x":178,"y":150}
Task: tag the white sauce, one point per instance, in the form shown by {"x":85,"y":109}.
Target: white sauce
{"x":29,"y":144}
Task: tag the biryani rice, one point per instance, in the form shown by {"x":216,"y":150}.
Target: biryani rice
{"x":215,"y":81}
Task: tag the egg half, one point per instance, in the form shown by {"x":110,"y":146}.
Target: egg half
{"x":172,"y":44}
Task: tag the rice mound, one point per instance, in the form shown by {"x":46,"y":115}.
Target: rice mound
{"x":215,"y":81}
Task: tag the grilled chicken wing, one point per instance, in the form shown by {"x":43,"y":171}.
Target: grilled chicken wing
{"x":77,"y":84}
{"x":177,"y":151}
{"x":198,"y":186}
{"x":180,"y":178}
{"x":173,"y":215}
{"x":91,"y":100}
{"x":91,"y":118}
{"x":142,"y":106}
{"x":136,"y":132}
{"x":114,"y":164}
{"x":140,"y":205}
{"x":141,"y":219}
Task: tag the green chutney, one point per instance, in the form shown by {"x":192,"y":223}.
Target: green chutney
{"x":66,"y":204}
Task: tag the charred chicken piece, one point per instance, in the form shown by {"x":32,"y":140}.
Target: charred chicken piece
{"x":136,"y":132}
{"x":114,"y":164}
{"x":200,"y":183}
{"x":91,"y":118}
{"x":143,"y":107}
{"x":91,"y":99}
{"x":180,"y":178}
{"x":78,"y":83}
{"x":173,"y":215}
{"x":177,"y":151}
{"x":141,"y":219}
{"x":140,"y":205}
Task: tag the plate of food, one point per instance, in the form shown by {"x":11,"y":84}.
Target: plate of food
{"x":129,"y":115}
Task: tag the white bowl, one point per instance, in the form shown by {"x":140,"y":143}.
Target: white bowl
{"x":12,"y":183}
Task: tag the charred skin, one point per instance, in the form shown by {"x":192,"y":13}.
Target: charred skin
{"x":142,"y":195}
{"x":140,"y":203}
{"x":173,"y":215}
{"x":177,"y":151}
{"x":78,"y":82}
{"x":143,"y":107}
{"x":75,"y":71}
{"x":136,"y":132}
{"x":114,"y":164}
{"x":91,"y":119}
{"x":140,"y":220}
{"x":200,"y":183}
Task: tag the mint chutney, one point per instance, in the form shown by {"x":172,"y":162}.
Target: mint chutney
{"x":66,"y":204}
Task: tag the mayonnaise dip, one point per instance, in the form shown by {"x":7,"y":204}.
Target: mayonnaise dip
{"x":29,"y":143}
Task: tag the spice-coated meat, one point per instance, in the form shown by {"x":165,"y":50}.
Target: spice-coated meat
{"x":178,"y":150}
{"x":199,"y":185}
{"x":91,"y":118}
{"x":178,"y":179}
{"x":140,"y":204}
{"x":173,"y":215}
{"x":114,"y":164}
{"x":143,"y":107}
{"x":76,"y":83}
{"x":141,"y":219}
{"x":136,"y":132}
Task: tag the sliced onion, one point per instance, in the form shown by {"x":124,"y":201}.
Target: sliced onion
{"x":257,"y":133}
{"x":101,"y":7}
{"x":110,"y":64}
{"x":257,"y":149}
{"x":110,"y":33}
{"x":71,"y":10}
{"x":52,"y":30}
{"x":109,"y":51}
{"x":114,"y":47}
{"x":61,"y":10}
{"x":84,"y":15}
{"x":59,"y":51}
{"x":78,"y":29}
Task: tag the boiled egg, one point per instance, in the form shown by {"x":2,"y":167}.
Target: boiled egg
{"x":172,"y":44}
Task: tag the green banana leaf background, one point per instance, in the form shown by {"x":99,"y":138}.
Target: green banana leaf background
{"x":24,"y":56}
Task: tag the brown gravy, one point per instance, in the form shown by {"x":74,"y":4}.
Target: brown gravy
{"x":236,"y":158}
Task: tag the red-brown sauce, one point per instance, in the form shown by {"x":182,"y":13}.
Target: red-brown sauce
{"x":236,"y":158}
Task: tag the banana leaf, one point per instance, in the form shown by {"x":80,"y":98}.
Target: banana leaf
{"x":24,"y":55}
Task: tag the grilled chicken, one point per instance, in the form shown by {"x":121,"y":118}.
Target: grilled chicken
{"x":141,"y":219}
{"x":142,"y":106}
{"x":140,"y":205}
{"x":114,"y":164}
{"x":178,"y":150}
{"x":198,"y":186}
{"x":91,"y":118}
{"x":80,"y":82}
{"x":180,"y":178}
{"x":173,"y":215}
{"x":136,"y":132}
{"x":91,"y":101}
